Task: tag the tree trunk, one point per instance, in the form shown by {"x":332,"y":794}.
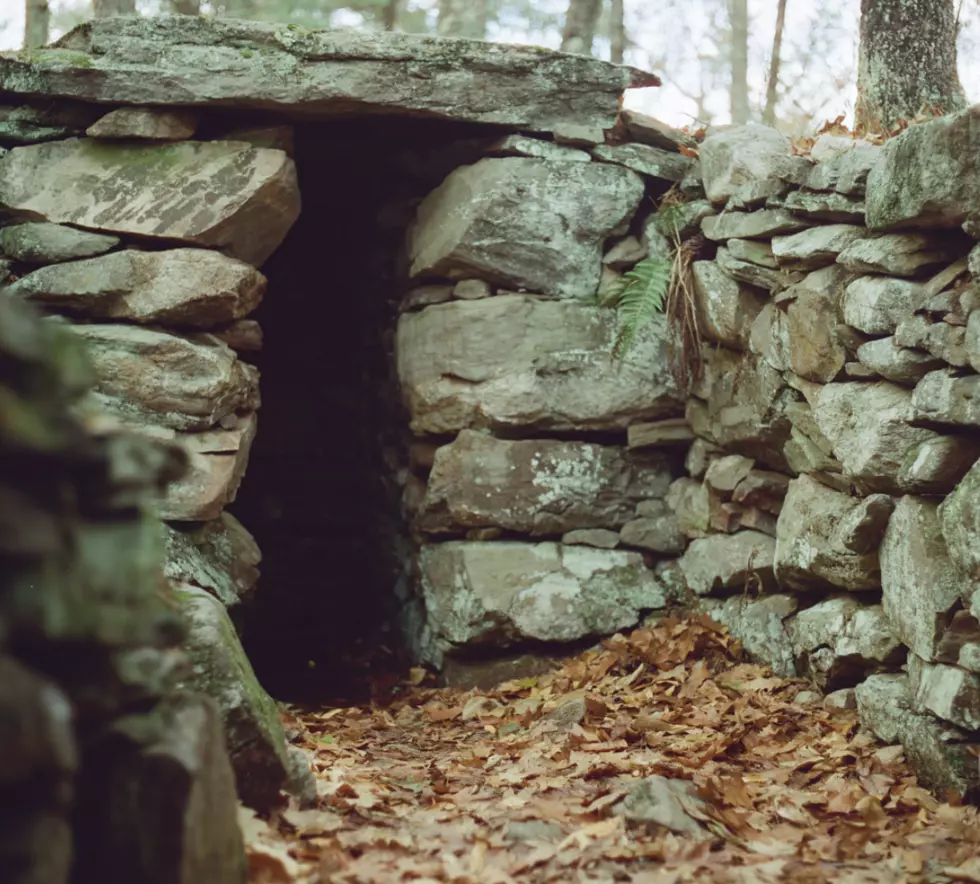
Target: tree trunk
{"x":617,"y":32}
{"x":581,"y":22}
{"x":186,"y":7}
{"x":738,"y":19}
{"x":907,"y":62}
{"x":37,"y":21}
{"x":103,"y":8}
{"x":772,"y":87}
{"x":462,"y":18}
{"x":392,"y":11}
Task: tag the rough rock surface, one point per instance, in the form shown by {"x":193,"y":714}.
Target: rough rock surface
{"x":760,"y":625}
{"x":463,"y":365}
{"x":729,"y":561}
{"x":920,"y":584}
{"x":897,"y":254}
{"x":937,"y":465}
{"x":900,"y":365}
{"x":960,"y":517}
{"x":951,"y":693}
{"x":145,"y":123}
{"x":499,"y":594}
{"x":41,"y":242}
{"x":186,"y":383}
{"x":647,"y":160}
{"x":256,"y":742}
{"x":527,"y":223}
{"x":225,"y":195}
{"x":876,"y":304}
{"x":726,"y":307}
{"x":944,"y":398}
{"x":322,"y":74}
{"x":811,"y":553}
{"x":751,"y":225}
{"x":816,"y":247}
{"x":541,"y":487}
{"x":194,"y":288}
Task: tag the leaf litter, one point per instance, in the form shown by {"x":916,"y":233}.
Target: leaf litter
{"x":658,"y":757}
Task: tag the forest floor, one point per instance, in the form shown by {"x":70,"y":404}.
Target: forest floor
{"x":660,"y":757}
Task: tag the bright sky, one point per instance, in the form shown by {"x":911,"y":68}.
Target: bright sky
{"x":820,"y":53}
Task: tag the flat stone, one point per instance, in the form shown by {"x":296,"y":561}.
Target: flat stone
{"x":948,"y":692}
{"x":726,"y":308}
{"x":483,"y":221}
{"x":937,"y":465}
{"x":753,"y":274}
{"x":45,"y":120}
{"x":625,"y":254}
{"x":762,"y":489}
{"x":540,"y":487}
{"x":760,"y":626}
{"x":868,"y":427}
{"x":699,"y":457}
{"x":222,"y":62}
{"x":753,"y":251}
{"x":971,"y":341}
{"x":729,"y":561}
{"x":942,"y":340}
{"x":219,"y":556}
{"x":751,"y":225}
{"x":648,"y":130}
{"x":725,"y":473}
{"x":425,"y":296}
{"x":253,"y":730}
{"x":846,"y":698}
{"x":654,"y":162}
{"x":149,"y":124}
{"x":940,"y":754}
{"x":193,"y":288}
{"x":740,"y":155}
{"x":229,"y":196}
{"x":472,"y":289}
{"x":44,"y":243}
{"x":898,"y":254}
{"x":273,"y":136}
{"x":668,"y":804}
{"x":489,"y":673}
{"x":876,"y":305}
{"x":493,"y":595}
{"x":673,"y":431}
{"x":185,"y":383}
{"x":811,"y":553}
{"x":600,"y":538}
{"x":943,"y":399}
{"x":919,"y":582}
{"x":816,"y":247}
{"x":816,"y":342}
{"x":659,"y":534}
{"x":242,"y":335}
{"x":846,"y":172}
{"x":960,"y":519}
{"x":927,"y":176}
{"x":690,"y":502}
{"x":462,"y":365}
{"x":833,"y":207}
{"x":523,"y":146}
{"x":897,"y":364}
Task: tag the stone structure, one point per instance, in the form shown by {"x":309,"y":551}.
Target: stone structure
{"x":445,"y":441}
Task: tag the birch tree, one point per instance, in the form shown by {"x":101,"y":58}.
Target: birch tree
{"x":37,"y":23}
{"x":581,"y":22}
{"x":906,"y":62}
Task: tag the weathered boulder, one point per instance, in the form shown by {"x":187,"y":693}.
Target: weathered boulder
{"x":498,"y":594}
{"x":540,"y":487}
{"x":877,"y":304}
{"x":225,"y":195}
{"x":524,"y":146}
{"x":725,"y":307}
{"x":527,"y":223}
{"x":751,"y":225}
{"x":658,"y":533}
{"x":253,"y":729}
{"x":816,"y":247}
{"x":898,"y":254}
{"x":600,"y":538}
{"x":752,"y":274}
{"x":920,"y":585}
{"x":647,"y":160}
{"x":729,"y":561}
{"x":44,"y":243}
{"x":846,"y":173}
{"x":817,"y":340}
{"x":960,"y":518}
{"x":647,"y":130}
{"x":937,"y":465}
{"x":942,"y":755}
{"x":839,"y":641}
{"x":515,"y":361}
{"x":948,"y":692}
{"x":867,"y":425}
{"x":900,"y":365}
{"x":739,"y":156}
{"x":753,"y":252}
{"x":146,"y":123}
{"x":942,"y":398}
{"x":195,"y":288}
{"x":219,"y":556}
{"x":928,"y":176}
{"x":186,"y":383}
{"x":45,"y":120}
{"x":940,"y":339}
{"x":761,"y":626}
{"x":224,"y":62}
{"x":690,"y":502}
{"x":832,"y":207}
{"x":813,"y":540}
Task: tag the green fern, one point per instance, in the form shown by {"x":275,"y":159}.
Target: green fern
{"x":639,"y":295}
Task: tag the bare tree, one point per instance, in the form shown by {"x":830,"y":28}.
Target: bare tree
{"x":186,"y":7}
{"x":617,"y":31}
{"x":37,"y":23}
{"x":581,"y":22}
{"x":772,"y":86}
{"x":906,"y":62}
{"x":391,"y":14}
{"x":738,"y":18}
{"x":103,"y":8}
{"x":462,"y":18}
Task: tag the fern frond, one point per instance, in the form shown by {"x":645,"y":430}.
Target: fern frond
{"x":612,"y":294}
{"x":646,"y":288}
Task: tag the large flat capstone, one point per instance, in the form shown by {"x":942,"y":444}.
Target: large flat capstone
{"x":205,"y":61}
{"x":515,"y":361}
{"x":226,"y":195}
{"x":498,"y":594}
{"x":534,"y":224}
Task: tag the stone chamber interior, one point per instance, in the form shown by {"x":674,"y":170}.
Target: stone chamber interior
{"x":322,"y":493}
